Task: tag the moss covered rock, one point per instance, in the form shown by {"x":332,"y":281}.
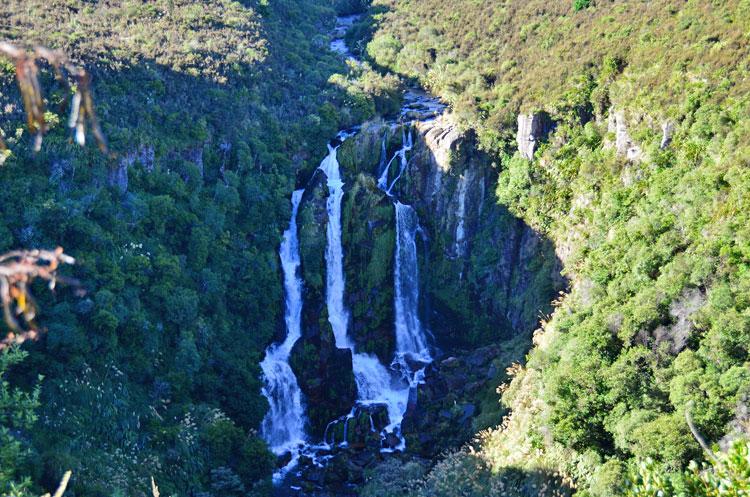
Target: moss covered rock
{"x":369,"y":238}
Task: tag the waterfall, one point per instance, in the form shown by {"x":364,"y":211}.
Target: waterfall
{"x":338,"y":316}
{"x":375,"y":383}
{"x":391,"y":386}
{"x":284,"y":424}
{"x":410,"y":337}
{"x":406,"y":145}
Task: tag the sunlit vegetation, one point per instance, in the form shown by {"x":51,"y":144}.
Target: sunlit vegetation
{"x":211,"y":109}
{"x":656,"y":247}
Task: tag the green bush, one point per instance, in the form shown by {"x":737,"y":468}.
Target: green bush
{"x":726,"y":474}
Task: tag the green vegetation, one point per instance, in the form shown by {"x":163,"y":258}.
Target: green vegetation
{"x":154,"y":371}
{"x":726,"y":475}
{"x":215,"y":111}
{"x":656,"y":247}
{"x":16,"y":414}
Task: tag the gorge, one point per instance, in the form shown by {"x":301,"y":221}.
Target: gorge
{"x":389,"y":369}
{"x":375,"y":248}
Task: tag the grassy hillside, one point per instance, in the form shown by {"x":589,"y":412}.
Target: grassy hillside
{"x":211,"y":109}
{"x":657,"y":324}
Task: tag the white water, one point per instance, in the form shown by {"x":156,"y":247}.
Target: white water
{"x":338,"y":316}
{"x":375,"y":383}
{"x":407,"y":142}
{"x":284,"y":424}
{"x":411,"y":340}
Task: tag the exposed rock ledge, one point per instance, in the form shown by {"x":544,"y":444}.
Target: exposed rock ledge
{"x":532,"y":129}
{"x":441,"y":137}
{"x":624,"y":144}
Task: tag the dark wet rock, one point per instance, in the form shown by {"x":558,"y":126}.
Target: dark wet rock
{"x":359,"y":429}
{"x":283,"y":459}
{"x":324,"y":374}
{"x":449,"y":362}
{"x":368,"y":234}
{"x":391,"y":441}
{"x":446,"y":407}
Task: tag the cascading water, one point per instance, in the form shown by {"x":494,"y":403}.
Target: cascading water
{"x":338,"y":316}
{"x":410,"y":337}
{"x":375,"y":383}
{"x":411,"y":342}
{"x":284,"y":425}
{"x":407,"y":142}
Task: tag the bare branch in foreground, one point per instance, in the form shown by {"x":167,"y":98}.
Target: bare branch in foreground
{"x":17,"y":270}
{"x":63,"y":485}
{"x":81,"y":107}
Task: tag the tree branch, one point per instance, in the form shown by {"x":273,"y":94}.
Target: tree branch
{"x":82,"y":106}
{"x":17,"y":270}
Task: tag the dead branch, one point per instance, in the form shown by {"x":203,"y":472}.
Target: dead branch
{"x":63,"y":485}
{"x":17,"y":270}
{"x":82,"y":104}
{"x":696,"y":434}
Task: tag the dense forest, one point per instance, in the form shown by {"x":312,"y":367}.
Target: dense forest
{"x":211,"y":109}
{"x":643,"y":186}
{"x":613,"y":139}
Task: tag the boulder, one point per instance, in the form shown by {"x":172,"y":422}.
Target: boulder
{"x":442,"y":137}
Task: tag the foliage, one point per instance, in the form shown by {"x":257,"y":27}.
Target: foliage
{"x":393,"y":478}
{"x":656,"y":246}
{"x":17,"y":417}
{"x":175,"y":233}
{"x":725,"y":475}
{"x":367,"y":93}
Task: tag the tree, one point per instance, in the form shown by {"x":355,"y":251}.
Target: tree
{"x":16,"y":415}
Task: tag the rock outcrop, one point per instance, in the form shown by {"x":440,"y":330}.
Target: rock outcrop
{"x":483,"y":261}
{"x":532,"y":129}
{"x":487,"y":277}
{"x":323,"y":371}
{"x":667,"y":130}
{"x":118,"y":174}
{"x":623,"y":144}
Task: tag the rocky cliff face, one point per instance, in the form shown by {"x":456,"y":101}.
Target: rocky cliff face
{"x":485,"y":278}
{"x":532,"y":128}
{"x":323,"y":371}
{"x":489,"y":274}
